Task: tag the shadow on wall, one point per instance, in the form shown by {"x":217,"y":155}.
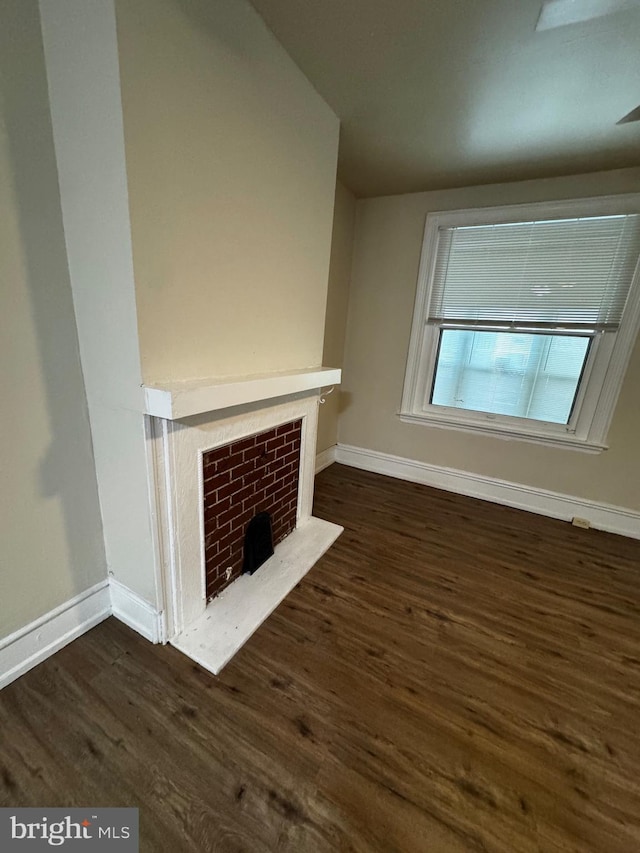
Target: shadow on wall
{"x":66,"y":473}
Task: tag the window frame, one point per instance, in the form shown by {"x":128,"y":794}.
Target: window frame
{"x":606,"y":362}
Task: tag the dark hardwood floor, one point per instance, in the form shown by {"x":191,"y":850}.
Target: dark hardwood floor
{"x":452,"y":676}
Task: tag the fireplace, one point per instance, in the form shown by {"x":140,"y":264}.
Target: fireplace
{"x":258,"y":474}
{"x":212,"y":472}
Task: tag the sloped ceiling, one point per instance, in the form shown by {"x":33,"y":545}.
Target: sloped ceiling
{"x":446,"y":93}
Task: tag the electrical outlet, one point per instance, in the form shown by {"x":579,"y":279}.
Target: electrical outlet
{"x":581,"y":522}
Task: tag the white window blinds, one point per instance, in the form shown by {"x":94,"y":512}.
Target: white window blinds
{"x":568,"y":273}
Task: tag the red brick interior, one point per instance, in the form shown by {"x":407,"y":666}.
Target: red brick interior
{"x":255,"y":474}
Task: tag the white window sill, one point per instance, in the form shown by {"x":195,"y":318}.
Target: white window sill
{"x":568,"y":441}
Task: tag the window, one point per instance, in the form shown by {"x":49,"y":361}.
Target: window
{"x":525,"y":318}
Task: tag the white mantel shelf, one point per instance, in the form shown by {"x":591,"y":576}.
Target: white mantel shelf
{"x":177,"y":400}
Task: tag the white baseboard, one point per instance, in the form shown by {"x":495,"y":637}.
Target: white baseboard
{"x":325,"y":458}
{"x":613,"y":519}
{"x":24,"y":649}
{"x":134,"y":611}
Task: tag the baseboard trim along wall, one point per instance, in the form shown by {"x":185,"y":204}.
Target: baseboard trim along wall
{"x":29,"y":646}
{"x":26,"y":648}
{"x":134,"y":611}
{"x":325,"y":458}
{"x":613,"y":519}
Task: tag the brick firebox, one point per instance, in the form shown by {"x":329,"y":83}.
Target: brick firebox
{"x":255,"y":474}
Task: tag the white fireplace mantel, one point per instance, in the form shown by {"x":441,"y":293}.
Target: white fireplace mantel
{"x":176,"y":400}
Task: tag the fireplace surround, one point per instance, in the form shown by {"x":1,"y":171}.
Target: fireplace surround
{"x":239,"y":441}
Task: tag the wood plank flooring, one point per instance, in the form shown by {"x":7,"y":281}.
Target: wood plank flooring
{"x":452,"y":676}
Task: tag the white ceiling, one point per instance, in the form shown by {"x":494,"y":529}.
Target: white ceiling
{"x":445,"y":93}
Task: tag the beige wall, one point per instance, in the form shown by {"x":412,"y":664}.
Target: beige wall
{"x":385,"y":267}
{"x":50,"y":526}
{"x":231,"y":158}
{"x":337,"y":303}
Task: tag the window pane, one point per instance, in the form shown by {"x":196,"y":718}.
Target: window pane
{"x":508,"y":373}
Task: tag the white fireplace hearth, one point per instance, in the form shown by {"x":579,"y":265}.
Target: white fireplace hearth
{"x":184,"y":422}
